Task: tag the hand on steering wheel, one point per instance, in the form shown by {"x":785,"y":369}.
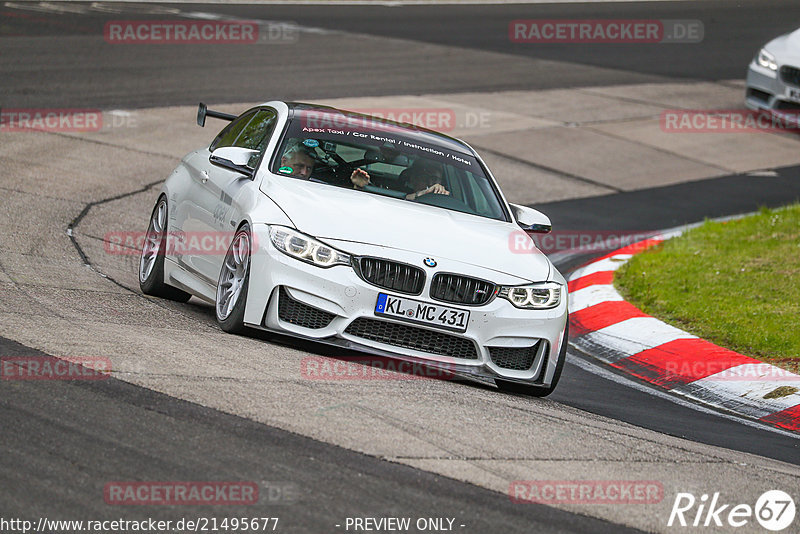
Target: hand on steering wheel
{"x":437,"y":189}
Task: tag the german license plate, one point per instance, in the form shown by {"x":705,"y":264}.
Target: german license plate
{"x":793,"y":94}
{"x":416,"y":311}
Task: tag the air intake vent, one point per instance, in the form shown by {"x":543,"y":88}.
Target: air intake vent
{"x":411,"y":337}
{"x":514,"y":358}
{"x":295,"y":312}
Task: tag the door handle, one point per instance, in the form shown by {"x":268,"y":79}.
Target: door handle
{"x":205,"y":177}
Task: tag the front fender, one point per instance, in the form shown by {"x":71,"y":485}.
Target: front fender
{"x":263,"y":214}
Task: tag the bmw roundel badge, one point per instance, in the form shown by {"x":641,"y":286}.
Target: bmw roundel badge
{"x":430,"y":262}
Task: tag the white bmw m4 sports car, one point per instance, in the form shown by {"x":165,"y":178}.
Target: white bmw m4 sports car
{"x":363,"y":233}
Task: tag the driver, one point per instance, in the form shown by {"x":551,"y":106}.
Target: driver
{"x":300,"y":160}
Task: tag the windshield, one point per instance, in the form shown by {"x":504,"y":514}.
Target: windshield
{"x":371,"y":156}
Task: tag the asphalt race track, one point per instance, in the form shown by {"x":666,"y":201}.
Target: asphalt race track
{"x":78,"y":73}
{"x":189,"y":403}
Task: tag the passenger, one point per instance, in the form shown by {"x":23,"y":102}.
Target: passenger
{"x":421,"y":178}
{"x":424,"y":177}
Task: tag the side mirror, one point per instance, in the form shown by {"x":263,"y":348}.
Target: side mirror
{"x":531,"y":220}
{"x":234,"y":158}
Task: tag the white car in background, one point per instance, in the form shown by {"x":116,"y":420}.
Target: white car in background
{"x":773,"y":78}
{"x":427,"y":277}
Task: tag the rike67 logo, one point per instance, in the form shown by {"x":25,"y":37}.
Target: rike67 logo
{"x":774,"y":510}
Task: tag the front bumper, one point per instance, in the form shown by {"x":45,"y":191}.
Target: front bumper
{"x":766,"y":91}
{"x":346,"y":305}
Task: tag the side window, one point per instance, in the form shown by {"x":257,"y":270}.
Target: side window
{"x":228,"y":135}
{"x":255,"y":135}
{"x":485,"y":201}
{"x":457,"y":184}
{"x":252,"y":131}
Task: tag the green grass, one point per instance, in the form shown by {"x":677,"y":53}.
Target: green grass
{"x":736,"y":284}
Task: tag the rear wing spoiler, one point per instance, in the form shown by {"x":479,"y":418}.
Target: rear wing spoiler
{"x":203,"y":112}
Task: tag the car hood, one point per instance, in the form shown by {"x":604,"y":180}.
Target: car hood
{"x":786,"y":48}
{"x":329,"y":212}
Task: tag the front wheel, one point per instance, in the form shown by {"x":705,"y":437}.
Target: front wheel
{"x":539,"y":391}
{"x":234,"y":279}
{"x":151,"y":262}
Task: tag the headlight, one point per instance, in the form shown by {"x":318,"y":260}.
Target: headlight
{"x":766,"y":60}
{"x":533,"y":297}
{"x":305,"y":248}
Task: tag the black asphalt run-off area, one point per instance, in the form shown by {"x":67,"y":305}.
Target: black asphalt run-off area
{"x":109,"y":430}
{"x":54,"y":67}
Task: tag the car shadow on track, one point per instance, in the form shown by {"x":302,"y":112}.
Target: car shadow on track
{"x":330,"y":363}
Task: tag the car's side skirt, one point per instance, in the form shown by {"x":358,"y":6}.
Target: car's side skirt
{"x":178,"y":277}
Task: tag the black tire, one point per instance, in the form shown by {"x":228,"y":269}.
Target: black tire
{"x":151,"y":261}
{"x":231,"y":318}
{"x":538,"y":391}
